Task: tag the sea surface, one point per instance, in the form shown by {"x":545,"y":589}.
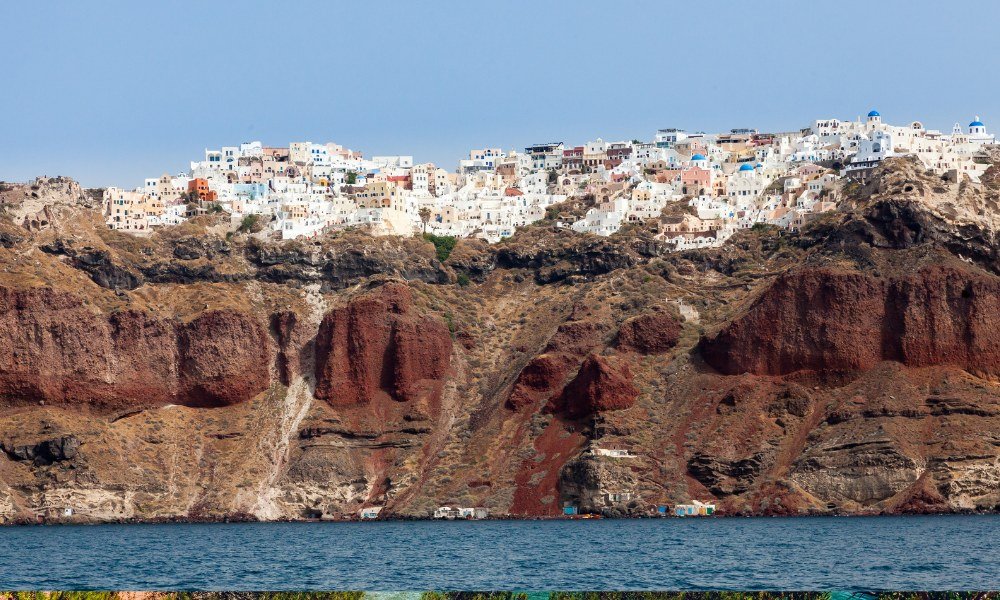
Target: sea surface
{"x":821,"y":553}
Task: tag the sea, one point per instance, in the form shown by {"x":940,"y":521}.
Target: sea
{"x":843,"y":554}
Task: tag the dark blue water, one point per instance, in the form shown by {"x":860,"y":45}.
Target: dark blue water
{"x":944,"y":552}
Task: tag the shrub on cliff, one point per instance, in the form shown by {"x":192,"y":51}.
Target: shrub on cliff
{"x":443,"y":245}
{"x":251,"y":224}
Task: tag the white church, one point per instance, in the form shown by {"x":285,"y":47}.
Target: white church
{"x":872,"y":141}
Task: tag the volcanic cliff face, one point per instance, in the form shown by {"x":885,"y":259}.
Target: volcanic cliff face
{"x":602,"y":384}
{"x":547,"y":373}
{"x":649,"y":333}
{"x":202,"y":373}
{"x":828,"y":320}
{"x":378,"y":347}
{"x":59,"y":351}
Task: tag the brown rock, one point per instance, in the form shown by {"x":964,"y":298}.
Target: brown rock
{"x":545,"y":375}
{"x":828,"y":320}
{"x":224,"y":359}
{"x":650,"y":333}
{"x":578,"y":337}
{"x":538,"y":380}
{"x":379,"y":345}
{"x":59,"y":351}
{"x":293,"y":335}
{"x":602,"y":384}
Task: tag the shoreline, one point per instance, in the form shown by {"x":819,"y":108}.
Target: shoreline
{"x":237,"y":519}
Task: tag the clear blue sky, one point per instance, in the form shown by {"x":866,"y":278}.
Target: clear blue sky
{"x":110,"y":92}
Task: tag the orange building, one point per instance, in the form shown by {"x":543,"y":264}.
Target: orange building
{"x":199,"y":187}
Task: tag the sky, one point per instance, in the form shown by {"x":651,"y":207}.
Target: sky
{"x":111,"y":92}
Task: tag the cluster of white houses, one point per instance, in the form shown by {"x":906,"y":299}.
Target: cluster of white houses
{"x":731,"y":181}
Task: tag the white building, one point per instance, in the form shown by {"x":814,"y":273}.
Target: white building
{"x":371,"y":512}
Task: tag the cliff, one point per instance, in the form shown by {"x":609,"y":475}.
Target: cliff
{"x":59,"y":351}
{"x":830,"y":320}
{"x":378,"y":348}
{"x":197,"y":373}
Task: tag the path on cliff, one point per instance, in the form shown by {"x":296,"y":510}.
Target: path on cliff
{"x":296,"y":404}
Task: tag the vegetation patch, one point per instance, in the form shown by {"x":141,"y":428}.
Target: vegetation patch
{"x":251,"y":224}
{"x":443,"y":245}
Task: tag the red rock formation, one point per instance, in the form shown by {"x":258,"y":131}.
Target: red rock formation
{"x":379,"y":345}
{"x":538,"y":380}
{"x":546,"y":374}
{"x":578,"y":336}
{"x":293,"y":336}
{"x":60,"y":351}
{"x":650,"y":333}
{"x":225,"y":359}
{"x":602,"y":384}
{"x":828,"y":320}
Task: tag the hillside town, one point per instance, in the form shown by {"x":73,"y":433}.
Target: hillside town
{"x":729,"y":181}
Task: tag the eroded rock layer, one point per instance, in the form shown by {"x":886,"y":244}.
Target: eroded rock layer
{"x":830,"y":320}
{"x":602,"y":384}
{"x":379,"y":346}
{"x":57,"y":350}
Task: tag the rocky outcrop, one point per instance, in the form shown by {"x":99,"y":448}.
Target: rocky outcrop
{"x":601,"y":486}
{"x":103,"y":270}
{"x":473,"y":257}
{"x":380,"y":346}
{"x":546,"y":374}
{"x":206,"y":258}
{"x":538,"y":380}
{"x":224,"y":358}
{"x":649,"y":333}
{"x":829,"y":320}
{"x":34,"y":206}
{"x":115,"y":274}
{"x":725,"y":477}
{"x":902,"y":206}
{"x":557,"y":256}
{"x":863,"y":471}
{"x":294,"y":339}
{"x":196,"y":247}
{"x":900,"y":223}
{"x":45,"y":452}
{"x":60,"y":351}
{"x":344,"y":261}
{"x":602,"y":384}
